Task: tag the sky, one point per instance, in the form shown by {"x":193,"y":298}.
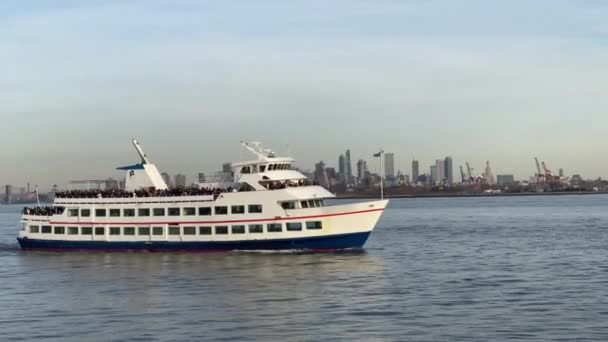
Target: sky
{"x":503,"y":81}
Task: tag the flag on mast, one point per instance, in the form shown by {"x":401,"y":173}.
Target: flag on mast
{"x":376,"y":155}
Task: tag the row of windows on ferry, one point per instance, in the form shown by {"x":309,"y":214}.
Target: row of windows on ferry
{"x":177,"y":230}
{"x":189,"y":211}
{"x":263,"y":168}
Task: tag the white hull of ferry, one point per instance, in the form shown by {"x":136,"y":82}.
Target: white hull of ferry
{"x":341,"y":227}
{"x":268,"y":206}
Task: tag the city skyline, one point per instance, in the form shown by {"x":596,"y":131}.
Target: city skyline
{"x":473,"y":80}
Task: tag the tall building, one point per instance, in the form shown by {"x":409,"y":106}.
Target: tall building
{"x":320,"y":175}
{"x":342,"y":165}
{"x":180,"y":181}
{"x":201,"y":177}
{"x":389,"y":165}
{"x":166,"y":178}
{"x":434,"y":175}
{"x":562,"y":173}
{"x":226,"y":168}
{"x":349,"y":170}
{"x":361,"y":169}
{"x":440,"y":165}
{"x":8,"y":194}
{"x":449,"y":170}
{"x":488,"y":176}
{"x":415,"y":171}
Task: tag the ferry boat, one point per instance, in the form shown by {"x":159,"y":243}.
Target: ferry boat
{"x":268,"y":206}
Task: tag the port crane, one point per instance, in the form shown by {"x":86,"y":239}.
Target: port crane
{"x":464,"y":177}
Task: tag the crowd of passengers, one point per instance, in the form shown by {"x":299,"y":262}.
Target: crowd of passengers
{"x":43,"y":211}
{"x":277,"y":185}
{"x":151,"y":192}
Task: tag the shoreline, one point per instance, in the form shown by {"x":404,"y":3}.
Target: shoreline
{"x":460,"y":195}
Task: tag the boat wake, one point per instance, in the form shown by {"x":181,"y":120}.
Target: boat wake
{"x":300,"y":251}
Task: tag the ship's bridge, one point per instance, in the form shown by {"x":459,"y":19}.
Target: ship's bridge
{"x":267,"y":172}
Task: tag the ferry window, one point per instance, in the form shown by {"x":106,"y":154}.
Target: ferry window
{"x":238,"y":229}
{"x":204,"y":211}
{"x":173,"y":230}
{"x":288,"y":205}
{"x":245,"y":170}
{"x":314,"y":225}
{"x":157,"y":230}
{"x":256,"y":228}
{"x":114,"y":212}
{"x":86,"y":230}
{"x":221,"y":210}
{"x":145,"y":231}
{"x":293,"y":226}
{"x":174,"y":212}
{"x":270,"y":167}
{"x":189,"y":211}
{"x":128,"y":230}
{"x":255,"y":208}
{"x":204,"y":230}
{"x":158,"y":211}
{"x":72,"y":230}
{"x":128,"y":212}
{"x":274,"y":227}
{"x":143,"y":212}
{"x":311,"y":203}
{"x":100,"y":212}
{"x":304,"y":204}
{"x":100,"y":231}
{"x":238,"y":209}
{"x":73,"y":212}
{"x":262,"y":168}
{"x":59,"y":230}
{"x":189,"y":230}
{"x":85,"y":212}
{"x":114,"y":230}
{"x":34,"y":229}
{"x":46,"y":230}
{"x":221,"y":230}
{"x":317,"y":203}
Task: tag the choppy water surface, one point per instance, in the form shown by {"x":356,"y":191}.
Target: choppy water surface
{"x":521,"y":268}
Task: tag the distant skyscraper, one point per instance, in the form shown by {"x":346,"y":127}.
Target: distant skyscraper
{"x":342,"y":165}
{"x":440,"y":165}
{"x":8,"y":194}
{"x":434,"y":175}
{"x":361,"y":169}
{"x":415,"y":171}
{"x":449,"y":170}
{"x":201,"y":177}
{"x":389,"y":165}
{"x":349,"y":169}
{"x":226,"y":168}
{"x":166,"y":178}
{"x":561,"y":173}
{"x":180,"y":181}
{"x":321,"y":175}
{"x":488,"y":176}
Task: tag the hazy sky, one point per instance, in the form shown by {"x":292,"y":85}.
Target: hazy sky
{"x":477,"y":80}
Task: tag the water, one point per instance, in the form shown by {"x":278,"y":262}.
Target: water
{"x":469,"y":269}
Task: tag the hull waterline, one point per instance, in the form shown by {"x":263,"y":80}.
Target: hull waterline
{"x":322,"y":243}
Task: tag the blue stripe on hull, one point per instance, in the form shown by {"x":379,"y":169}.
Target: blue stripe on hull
{"x":333,"y":242}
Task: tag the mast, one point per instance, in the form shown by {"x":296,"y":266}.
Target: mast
{"x":140,"y":151}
